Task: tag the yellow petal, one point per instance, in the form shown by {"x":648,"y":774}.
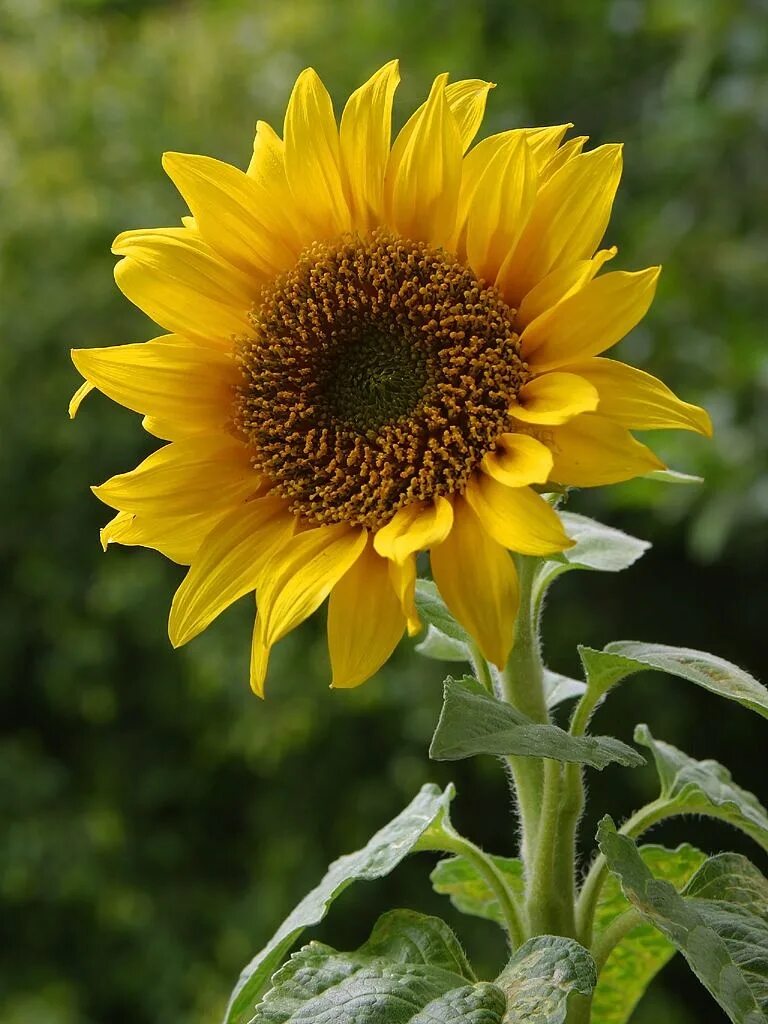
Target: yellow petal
{"x":231,"y":562}
{"x":185,"y":478}
{"x":516,"y":517}
{"x":259,"y":659}
{"x":365,"y":621}
{"x":554,"y":398}
{"x":500,"y":207}
{"x":567,"y":152}
{"x":567,"y":222}
{"x":85,"y":389}
{"x":559,"y":285}
{"x":414,"y":528}
{"x":478,"y":581}
{"x":466,"y":100}
{"x":302,"y":574}
{"x":402,"y":576}
{"x":228,"y":209}
{"x":276,"y":205}
{"x":542,"y":143}
{"x":592,"y":450}
{"x":519,"y":460}
{"x":639,"y":401}
{"x":366,"y":127}
{"x":177,"y":537}
{"x":187,"y":384}
{"x":589,"y":321}
{"x":312,"y":157}
{"x":424,"y":172}
{"x":179,"y":281}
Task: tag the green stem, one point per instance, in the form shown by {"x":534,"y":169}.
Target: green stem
{"x":634,"y":827}
{"x":608,"y":939}
{"x":448,"y":841}
{"x":522,"y":686}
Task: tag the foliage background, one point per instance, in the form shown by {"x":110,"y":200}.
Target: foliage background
{"x":157,"y":820}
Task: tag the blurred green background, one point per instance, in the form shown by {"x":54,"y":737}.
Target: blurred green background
{"x":157,"y":820}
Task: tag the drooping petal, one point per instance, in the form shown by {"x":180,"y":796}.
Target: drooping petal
{"x":228,"y":208}
{"x":366,"y":127}
{"x":413,"y":528}
{"x":402,"y":576}
{"x":567,"y":222}
{"x":312,"y":157}
{"x":478,"y":581}
{"x":365,"y":620}
{"x":500,"y":207}
{"x":302,"y":573}
{"x":519,"y":460}
{"x":183,"y":285}
{"x":592,"y":450}
{"x":466,"y":100}
{"x":639,"y":401}
{"x":516,"y":517}
{"x":177,"y":537}
{"x":231,"y":562}
{"x":554,"y":398}
{"x":589,"y":321}
{"x":559,"y":285}
{"x":74,"y":404}
{"x":185,"y":478}
{"x":185,"y":384}
{"x":424,"y":172}
{"x":259,"y":659}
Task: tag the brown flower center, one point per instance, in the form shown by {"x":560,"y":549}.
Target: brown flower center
{"x":381,"y":372}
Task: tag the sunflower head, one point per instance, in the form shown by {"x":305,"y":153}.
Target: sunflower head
{"x":376,"y":348}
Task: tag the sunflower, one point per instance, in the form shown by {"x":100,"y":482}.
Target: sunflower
{"x":376,"y":349}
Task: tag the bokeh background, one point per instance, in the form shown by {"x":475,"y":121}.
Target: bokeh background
{"x":157,"y":820}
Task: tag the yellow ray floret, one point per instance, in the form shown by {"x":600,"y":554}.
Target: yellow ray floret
{"x":380,"y":344}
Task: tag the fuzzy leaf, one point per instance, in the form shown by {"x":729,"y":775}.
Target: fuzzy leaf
{"x":598,"y":547}
{"x":641,"y":954}
{"x":558,"y":689}
{"x":433,"y":611}
{"x":626,"y":657}
{"x":540,"y":977}
{"x":381,"y":855}
{"x":724,"y":941}
{"x":410,"y":971}
{"x":704,"y":787}
{"x":472,"y":722}
{"x":441,"y":647}
{"x":457,"y":878}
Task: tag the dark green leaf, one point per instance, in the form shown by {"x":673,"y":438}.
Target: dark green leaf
{"x":472,"y":722}
{"x":626,"y":657}
{"x":380,"y":856}
{"x":540,"y":977}
{"x":725,"y":943}
{"x":704,"y":787}
{"x":642,"y":953}
{"x":433,"y":611}
{"x":410,"y":971}
{"x":457,"y":878}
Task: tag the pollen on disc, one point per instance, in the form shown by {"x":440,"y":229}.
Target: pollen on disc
{"x":380,"y":372}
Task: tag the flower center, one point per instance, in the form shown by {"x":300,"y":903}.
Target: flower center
{"x":381,"y":371}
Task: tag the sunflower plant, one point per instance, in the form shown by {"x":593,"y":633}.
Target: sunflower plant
{"x":384,"y":372}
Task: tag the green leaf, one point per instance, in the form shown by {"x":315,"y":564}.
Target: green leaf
{"x":433,"y":611}
{"x":381,"y":855}
{"x":457,"y":878}
{"x":410,"y":971}
{"x":598,"y":547}
{"x":626,"y":657}
{"x":472,"y":722}
{"x":558,"y":689}
{"x":704,"y":787}
{"x":724,"y":942}
{"x":441,"y":647}
{"x":673,"y":476}
{"x":540,"y":977}
{"x":641,"y":954}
